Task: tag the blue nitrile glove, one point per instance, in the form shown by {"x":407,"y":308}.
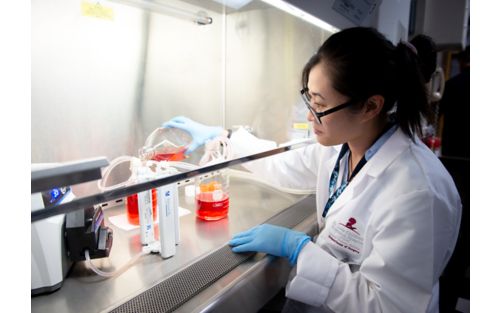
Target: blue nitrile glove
{"x":200,"y":133}
{"x":271,"y":239}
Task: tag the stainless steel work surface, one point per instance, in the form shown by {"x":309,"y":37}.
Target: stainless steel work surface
{"x":251,"y":203}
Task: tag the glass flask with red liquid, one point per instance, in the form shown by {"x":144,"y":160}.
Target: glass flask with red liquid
{"x":165,"y":144}
{"x":177,"y":155}
{"x":212,"y":196}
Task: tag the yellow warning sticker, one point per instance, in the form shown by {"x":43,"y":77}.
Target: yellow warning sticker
{"x":300,"y":126}
{"x":96,"y":9}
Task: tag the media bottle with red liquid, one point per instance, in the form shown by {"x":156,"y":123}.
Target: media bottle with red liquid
{"x":163,"y":144}
{"x":133,"y":207}
{"x":212,"y":196}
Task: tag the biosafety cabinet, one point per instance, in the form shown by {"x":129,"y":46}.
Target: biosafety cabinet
{"x":105,"y":75}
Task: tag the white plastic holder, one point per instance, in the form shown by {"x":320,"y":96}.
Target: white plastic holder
{"x":168,"y":226}
{"x":145,"y":208}
{"x":176,"y":215}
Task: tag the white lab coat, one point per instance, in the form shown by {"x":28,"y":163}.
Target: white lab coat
{"x":386,"y":239}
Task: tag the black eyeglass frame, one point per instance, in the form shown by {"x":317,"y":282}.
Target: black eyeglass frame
{"x":319,"y":115}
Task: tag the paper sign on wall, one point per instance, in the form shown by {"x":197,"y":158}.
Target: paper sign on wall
{"x":355,"y":10}
{"x":96,"y":9}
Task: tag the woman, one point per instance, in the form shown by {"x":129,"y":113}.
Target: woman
{"x":387,"y":209}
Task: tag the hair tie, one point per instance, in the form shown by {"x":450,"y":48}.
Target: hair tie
{"x":410,"y":46}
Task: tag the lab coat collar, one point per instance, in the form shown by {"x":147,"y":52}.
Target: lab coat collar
{"x":394,"y":146}
{"x":391,"y":149}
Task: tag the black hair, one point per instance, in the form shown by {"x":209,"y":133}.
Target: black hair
{"x":427,"y":54}
{"x":362,"y":63}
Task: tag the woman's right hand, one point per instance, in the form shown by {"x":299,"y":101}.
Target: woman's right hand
{"x":200,"y":133}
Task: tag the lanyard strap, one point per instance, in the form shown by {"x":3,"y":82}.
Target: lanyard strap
{"x":334,"y":194}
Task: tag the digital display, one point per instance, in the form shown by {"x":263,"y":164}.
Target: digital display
{"x":54,"y":196}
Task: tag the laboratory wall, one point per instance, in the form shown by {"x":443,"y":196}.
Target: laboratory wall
{"x":104,"y":78}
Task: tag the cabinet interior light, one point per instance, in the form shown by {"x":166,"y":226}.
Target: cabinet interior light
{"x":158,"y":7}
{"x":287,"y":7}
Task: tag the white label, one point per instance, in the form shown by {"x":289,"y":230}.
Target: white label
{"x":167,"y":225}
{"x":218,"y":195}
{"x":145,"y":216}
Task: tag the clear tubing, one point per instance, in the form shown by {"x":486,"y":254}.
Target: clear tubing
{"x":113,"y":273}
{"x":216,"y":151}
{"x":101,"y":184}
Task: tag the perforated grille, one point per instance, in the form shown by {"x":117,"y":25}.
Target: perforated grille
{"x":171,"y":293}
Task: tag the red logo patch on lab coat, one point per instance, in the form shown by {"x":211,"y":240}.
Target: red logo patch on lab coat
{"x":350,"y":224}
{"x":347,"y":240}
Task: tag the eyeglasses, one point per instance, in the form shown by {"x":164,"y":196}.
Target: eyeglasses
{"x":318,"y":115}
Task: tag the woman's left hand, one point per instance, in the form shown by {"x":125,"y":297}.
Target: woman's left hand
{"x":271,"y":239}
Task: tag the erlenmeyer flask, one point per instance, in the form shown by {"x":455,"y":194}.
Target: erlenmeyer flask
{"x":166,"y":144}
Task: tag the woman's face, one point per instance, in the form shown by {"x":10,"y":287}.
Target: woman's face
{"x":335,"y":128}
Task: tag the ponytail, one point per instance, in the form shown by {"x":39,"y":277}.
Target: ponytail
{"x":412,"y":103}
